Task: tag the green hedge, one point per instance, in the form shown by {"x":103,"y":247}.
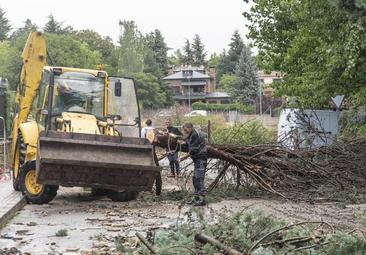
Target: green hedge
{"x":242,"y":108}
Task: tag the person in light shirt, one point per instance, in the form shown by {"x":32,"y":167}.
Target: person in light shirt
{"x":148,"y":127}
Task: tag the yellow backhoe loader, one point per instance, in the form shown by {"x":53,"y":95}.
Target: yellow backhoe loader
{"x":77,"y":127}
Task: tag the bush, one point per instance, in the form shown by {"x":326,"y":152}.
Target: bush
{"x":242,"y":108}
{"x":249,"y":133}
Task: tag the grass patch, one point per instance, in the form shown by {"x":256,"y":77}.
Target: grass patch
{"x":61,"y":233}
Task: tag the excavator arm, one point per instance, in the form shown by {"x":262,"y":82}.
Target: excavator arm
{"x":34,"y":59}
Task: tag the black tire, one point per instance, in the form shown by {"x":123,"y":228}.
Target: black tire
{"x":158,"y":184}
{"x":158,"y":179}
{"x":99,"y":192}
{"x":48,"y":191}
{"x":22,"y":147}
{"x":122,"y":196}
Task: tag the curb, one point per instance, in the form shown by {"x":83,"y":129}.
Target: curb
{"x":10,"y":206}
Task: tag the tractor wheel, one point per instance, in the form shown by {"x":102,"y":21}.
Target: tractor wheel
{"x":122,"y":196}
{"x":21,"y":151}
{"x":99,"y":192}
{"x":158,"y":184}
{"x":35,"y":193}
{"x":158,"y":180}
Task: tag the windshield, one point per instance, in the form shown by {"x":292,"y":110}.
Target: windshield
{"x":78,"y":92}
{"x":124,"y":105}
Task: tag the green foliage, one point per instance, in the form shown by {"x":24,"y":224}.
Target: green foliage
{"x":10,"y":62}
{"x":345,"y":244}
{"x":149,"y":91}
{"x":352,"y":123}
{"x":103,"y":45}
{"x":249,"y":133}
{"x":188,"y":55}
{"x":158,"y":49}
{"x":4,"y":26}
{"x":214,"y":60}
{"x":244,"y":88}
{"x":28,"y":27}
{"x":227,"y":82}
{"x":318,"y":45}
{"x":62,"y":233}
{"x":131,"y":50}
{"x":230,"y":60}
{"x":10,"y":99}
{"x":242,"y":230}
{"x":242,"y":108}
{"x":55,"y":27}
{"x":67,"y":51}
{"x":199,"y":54}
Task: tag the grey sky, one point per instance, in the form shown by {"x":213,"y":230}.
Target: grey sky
{"x":214,"y":20}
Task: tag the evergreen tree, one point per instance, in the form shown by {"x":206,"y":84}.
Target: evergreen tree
{"x":244,"y":88}
{"x":131,"y":50}
{"x":159,"y":49}
{"x":55,"y":27}
{"x":4,"y":26}
{"x":229,"y":61}
{"x":28,"y":27}
{"x":199,"y":54}
{"x":188,"y":58}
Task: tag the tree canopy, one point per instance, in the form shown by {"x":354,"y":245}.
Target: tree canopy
{"x":4,"y":26}
{"x":320,"y":46}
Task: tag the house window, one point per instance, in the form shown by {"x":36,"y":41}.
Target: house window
{"x":187,"y":73}
{"x":277,"y":80}
{"x":198,"y":89}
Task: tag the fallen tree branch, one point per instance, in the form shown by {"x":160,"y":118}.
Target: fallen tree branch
{"x":146,"y":243}
{"x":204,"y":239}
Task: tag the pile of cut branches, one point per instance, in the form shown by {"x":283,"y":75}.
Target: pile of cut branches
{"x":251,"y":232}
{"x":289,"y":174}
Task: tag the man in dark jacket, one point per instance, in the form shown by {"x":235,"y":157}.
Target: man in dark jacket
{"x":172,"y":153}
{"x":198,"y":152}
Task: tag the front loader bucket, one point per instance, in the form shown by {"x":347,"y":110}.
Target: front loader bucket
{"x":97,"y":161}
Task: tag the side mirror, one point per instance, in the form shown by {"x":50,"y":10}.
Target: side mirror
{"x":118,"y":88}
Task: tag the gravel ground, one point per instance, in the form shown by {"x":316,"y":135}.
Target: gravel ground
{"x":78,"y":223}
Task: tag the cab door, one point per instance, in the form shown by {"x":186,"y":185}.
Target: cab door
{"x":123,"y":103}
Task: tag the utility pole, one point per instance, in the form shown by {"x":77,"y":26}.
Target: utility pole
{"x":260,"y":101}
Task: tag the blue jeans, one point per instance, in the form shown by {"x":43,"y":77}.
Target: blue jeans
{"x":173,"y":162}
{"x":199,"y":176}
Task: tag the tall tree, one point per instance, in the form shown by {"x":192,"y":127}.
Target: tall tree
{"x":317,"y":44}
{"x":156,"y":44}
{"x":131,"y":50}
{"x":244,"y":88}
{"x":149,"y":90}
{"x":199,"y":54}
{"x":4,"y":26}
{"x":26,"y":29}
{"x":176,"y":59}
{"x":214,"y":60}
{"x":67,"y":51}
{"x":230,"y":60}
{"x":188,"y":58}
{"x":104,"y":45}
{"x":55,"y":27}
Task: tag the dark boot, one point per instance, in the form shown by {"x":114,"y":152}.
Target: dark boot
{"x":193,"y":200}
{"x":200,"y":202}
